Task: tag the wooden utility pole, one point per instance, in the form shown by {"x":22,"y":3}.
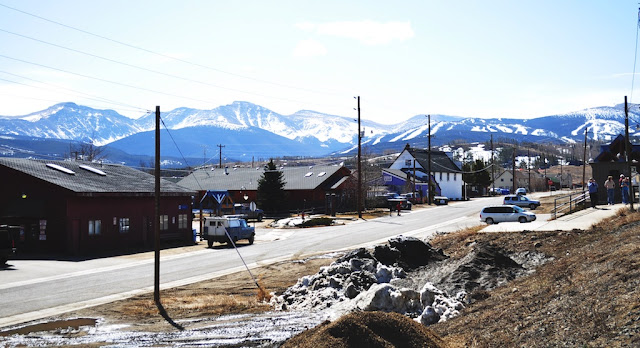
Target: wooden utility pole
{"x":156,"y":225}
{"x":429,"y":161}
{"x":220,"y":146}
{"x":627,"y":150}
{"x":529,"y":167}
{"x":584,"y":159}
{"x":513,"y":170}
{"x":493,"y":167}
{"x":359,"y":200}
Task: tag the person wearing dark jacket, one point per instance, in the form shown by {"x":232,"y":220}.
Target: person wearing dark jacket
{"x":593,"y":192}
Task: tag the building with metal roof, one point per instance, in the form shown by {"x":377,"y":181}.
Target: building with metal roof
{"x":307,"y":187}
{"x":411,"y":166}
{"x":82,"y":207}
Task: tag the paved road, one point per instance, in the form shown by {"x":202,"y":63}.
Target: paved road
{"x":32,"y":289}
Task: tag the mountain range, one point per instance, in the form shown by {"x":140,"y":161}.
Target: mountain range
{"x":243,"y":131}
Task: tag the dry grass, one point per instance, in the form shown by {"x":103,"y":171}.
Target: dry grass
{"x":184,"y":306}
{"x":587,"y":296}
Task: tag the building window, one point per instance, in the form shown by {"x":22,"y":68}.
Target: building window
{"x":448,"y":176}
{"x":440,"y":176}
{"x":502,"y":179}
{"x":123,"y":225}
{"x":95,"y":227}
{"x":164,"y":222}
{"x":182,"y":221}
{"x":407,"y":163}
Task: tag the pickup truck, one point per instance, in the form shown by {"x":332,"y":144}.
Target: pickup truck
{"x":7,"y":248}
{"x":224,"y":229}
{"x":246,"y":213}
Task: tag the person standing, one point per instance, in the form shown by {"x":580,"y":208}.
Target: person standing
{"x":610,"y":186}
{"x":624,"y":187}
{"x":398,"y":206}
{"x":593,"y":192}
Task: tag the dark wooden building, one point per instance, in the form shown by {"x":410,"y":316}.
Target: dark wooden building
{"x":81,"y":208}
{"x":612,"y":161}
{"x":306,"y":187}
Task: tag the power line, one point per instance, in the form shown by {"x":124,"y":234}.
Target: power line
{"x":91,"y":96}
{"x":104,"y":80}
{"x":143,"y":68}
{"x":164,"y":55}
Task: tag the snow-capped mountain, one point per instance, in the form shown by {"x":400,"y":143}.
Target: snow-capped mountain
{"x":247,"y":130}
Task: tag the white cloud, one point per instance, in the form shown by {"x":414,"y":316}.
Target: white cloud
{"x":309,"y":48}
{"x":368,"y":32}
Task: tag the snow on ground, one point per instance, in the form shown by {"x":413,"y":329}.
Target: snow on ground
{"x":406,"y":276}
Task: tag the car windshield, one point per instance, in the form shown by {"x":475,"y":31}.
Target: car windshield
{"x":518,"y":209}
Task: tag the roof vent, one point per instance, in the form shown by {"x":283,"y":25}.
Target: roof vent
{"x":93,"y":170}
{"x":322,"y":174}
{"x":308,"y":174}
{"x":61,"y":168}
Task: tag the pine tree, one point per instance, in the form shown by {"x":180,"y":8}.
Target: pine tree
{"x":271,"y":194}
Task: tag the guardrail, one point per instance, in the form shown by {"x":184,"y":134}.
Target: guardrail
{"x":567,"y":204}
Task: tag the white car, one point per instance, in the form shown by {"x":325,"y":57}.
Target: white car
{"x":505,"y":213}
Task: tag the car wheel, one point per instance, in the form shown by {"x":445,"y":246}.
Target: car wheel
{"x":489,"y":221}
{"x":251,"y":239}
{"x":522,"y":219}
{"x":259,"y":217}
{"x":532,"y":206}
{"x":210,"y":243}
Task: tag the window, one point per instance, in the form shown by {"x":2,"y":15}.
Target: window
{"x":407,"y":163}
{"x":182,"y":221}
{"x":440,"y":176}
{"x":164,"y":222}
{"x":95,"y":227}
{"x":448,"y":176}
{"x":454,"y":176}
{"x":123,"y":225}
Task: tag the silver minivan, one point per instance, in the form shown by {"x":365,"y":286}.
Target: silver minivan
{"x":504,"y":213}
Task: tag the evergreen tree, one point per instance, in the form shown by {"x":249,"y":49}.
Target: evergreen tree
{"x":271,"y":194}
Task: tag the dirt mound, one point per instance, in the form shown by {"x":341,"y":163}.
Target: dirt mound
{"x":368,"y":329}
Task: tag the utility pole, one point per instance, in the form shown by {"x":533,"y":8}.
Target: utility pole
{"x":429,"y":160}
{"x":493,"y":178}
{"x":359,"y":200}
{"x":156,"y":225}
{"x":220,"y":146}
{"x":584,"y":159}
{"x":513,"y":170}
{"x":627,"y":150}
{"x":529,"y":167}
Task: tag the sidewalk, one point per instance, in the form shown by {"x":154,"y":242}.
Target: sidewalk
{"x":581,"y":220}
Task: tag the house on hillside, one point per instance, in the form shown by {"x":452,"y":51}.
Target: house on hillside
{"x":612,"y":161}
{"x":531,"y":180}
{"x":411,"y":166}
{"x":73,"y":207}
{"x":321,"y":187}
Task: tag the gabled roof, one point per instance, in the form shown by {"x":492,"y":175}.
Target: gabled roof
{"x":615,"y":151}
{"x":236,"y":179}
{"x":440,"y":161}
{"x":87,"y":177}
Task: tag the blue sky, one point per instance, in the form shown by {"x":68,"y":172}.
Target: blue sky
{"x":490,"y":58}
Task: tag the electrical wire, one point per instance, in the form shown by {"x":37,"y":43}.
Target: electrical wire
{"x":147,"y":69}
{"x":164,"y":55}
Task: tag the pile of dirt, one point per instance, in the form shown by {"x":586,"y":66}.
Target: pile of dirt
{"x":368,"y":329}
{"x":407,"y":276}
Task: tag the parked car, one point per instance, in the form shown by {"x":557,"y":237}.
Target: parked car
{"x":521,"y":201}
{"x":224,"y":229}
{"x":521,"y":191}
{"x":244,"y":211}
{"x":505,"y":213}
{"x":7,"y":247}
{"x":440,"y":200}
{"x":393,"y":199}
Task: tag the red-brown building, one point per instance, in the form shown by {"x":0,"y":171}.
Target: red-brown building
{"x":82,"y":208}
{"x":308,"y":188}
